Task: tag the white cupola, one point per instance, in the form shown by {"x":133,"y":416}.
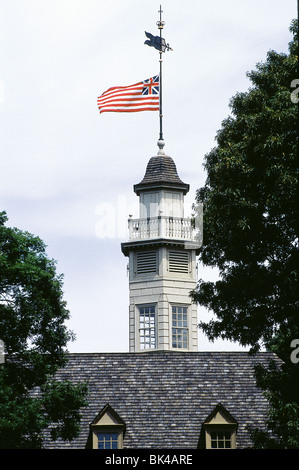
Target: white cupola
{"x":162,"y":263}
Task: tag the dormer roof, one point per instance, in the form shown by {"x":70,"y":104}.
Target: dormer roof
{"x":220,"y":415}
{"x":108,"y":416}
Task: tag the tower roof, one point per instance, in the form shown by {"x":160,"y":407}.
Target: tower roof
{"x":161,"y":172}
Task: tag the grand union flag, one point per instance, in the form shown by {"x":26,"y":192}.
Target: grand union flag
{"x":142,"y":96}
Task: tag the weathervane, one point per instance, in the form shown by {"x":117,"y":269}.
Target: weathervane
{"x":159,"y":43}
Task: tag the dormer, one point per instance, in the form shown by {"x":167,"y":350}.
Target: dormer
{"x":107,"y":430}
{"x":220,"y":429}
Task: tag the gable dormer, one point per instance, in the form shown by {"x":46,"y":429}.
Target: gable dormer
{"x":107,"y":429}
{"x":220,"y":429}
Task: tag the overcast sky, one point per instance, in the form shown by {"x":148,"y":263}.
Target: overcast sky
{"x":64,"y":167}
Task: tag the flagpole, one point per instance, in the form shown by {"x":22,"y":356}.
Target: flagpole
{"x":161,"y":143}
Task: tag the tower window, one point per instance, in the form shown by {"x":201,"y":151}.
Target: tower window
{"x":179,"y":327}
{"x":147,"y":327}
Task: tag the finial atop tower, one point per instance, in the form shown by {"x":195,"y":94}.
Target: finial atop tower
{"x":161,"y":144}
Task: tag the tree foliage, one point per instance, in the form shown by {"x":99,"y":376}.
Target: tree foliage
{"x":33,"y":331}
{"x":250,"y":206}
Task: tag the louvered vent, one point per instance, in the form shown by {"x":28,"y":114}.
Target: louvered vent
{"x":178,"y":262}
{"x":146,"y":262}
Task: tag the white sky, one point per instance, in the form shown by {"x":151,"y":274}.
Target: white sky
{"x":62,"y":165}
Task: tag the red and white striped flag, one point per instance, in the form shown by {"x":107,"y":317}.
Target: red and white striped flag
{"x":142,"y":96}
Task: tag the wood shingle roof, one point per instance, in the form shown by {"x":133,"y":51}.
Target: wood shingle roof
{"x":165,"y":397}
{"x":161,"y":171}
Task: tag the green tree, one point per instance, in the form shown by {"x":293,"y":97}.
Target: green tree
{"x":33,"y":331}
{"x":250,"y":223}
